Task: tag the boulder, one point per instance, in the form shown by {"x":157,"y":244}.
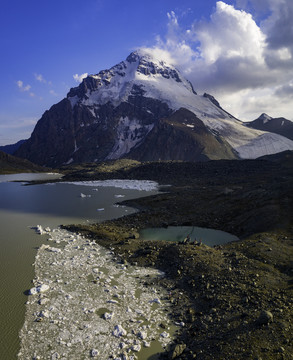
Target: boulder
{"x":178,"y":350}
{"x":265,"y":317}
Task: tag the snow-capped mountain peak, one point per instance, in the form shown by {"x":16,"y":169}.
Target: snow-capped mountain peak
{"x":146,"y":109}
{"x":154,"y":77}
{"x":149,"y":66}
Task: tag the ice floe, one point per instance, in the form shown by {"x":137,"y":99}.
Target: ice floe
{"x":146,"y":185}
{"x":39,"y":229}
{"x":86,"y":304}
{"x":84,"y":195}
{"x":39,"y":289}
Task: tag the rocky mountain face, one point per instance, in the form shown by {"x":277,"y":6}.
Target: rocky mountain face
{"x":279,"y":125}
{"x":10,"y":149}
{"x":144,"y":109}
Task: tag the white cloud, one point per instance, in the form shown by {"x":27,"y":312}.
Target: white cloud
{"x":158,"y":53}
{"x":52,"y":92}
{"x":172,"y":17}
{"x":23,"y":87}
{"x":230,"y":33}
{"x":40,"y":78}
{"x":246,"y":65}
{"x":79,"y":78}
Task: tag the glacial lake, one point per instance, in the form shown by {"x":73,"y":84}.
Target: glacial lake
{"x":23,"y":207}
{"x":208,"y":237}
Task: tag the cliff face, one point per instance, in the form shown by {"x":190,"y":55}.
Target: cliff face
{"x":144,"y":109}
{"x":64,"y":135}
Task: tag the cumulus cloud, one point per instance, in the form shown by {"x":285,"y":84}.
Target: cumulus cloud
{"x":245,"y":63}
{"x":79,"y":78}
{"x":230,"y":33}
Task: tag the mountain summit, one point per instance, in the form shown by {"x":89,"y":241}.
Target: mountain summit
{"x":142,"y":108}
{"x":279,"y":125}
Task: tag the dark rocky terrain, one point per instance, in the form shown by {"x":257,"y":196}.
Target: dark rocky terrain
{"x":236,"y":299}
{"x":10,"y":164}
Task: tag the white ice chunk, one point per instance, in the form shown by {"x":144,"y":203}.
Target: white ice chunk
{"x":108,"y":316}
{"x":39,"y":289}
{"x":119,"y":331}
{"x":84,"y":195}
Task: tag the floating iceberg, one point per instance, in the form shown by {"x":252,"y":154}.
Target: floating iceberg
{"x":84,"y":195}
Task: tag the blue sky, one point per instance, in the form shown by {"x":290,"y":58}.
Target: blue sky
{"x":240,"y":51}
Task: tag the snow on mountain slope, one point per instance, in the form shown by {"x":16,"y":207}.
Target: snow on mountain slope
{"x":158,"y":80}
{"x":130,"y":133}
{"x":249,"y":143}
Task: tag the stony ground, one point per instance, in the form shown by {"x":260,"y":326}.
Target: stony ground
{"x":236,"y":300}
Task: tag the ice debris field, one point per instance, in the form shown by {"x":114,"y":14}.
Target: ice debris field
{"x":86,"y":304}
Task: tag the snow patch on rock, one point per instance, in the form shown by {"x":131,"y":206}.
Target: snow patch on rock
{"x":130,"y":132}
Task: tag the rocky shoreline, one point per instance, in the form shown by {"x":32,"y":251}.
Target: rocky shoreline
{"x":236,"y":299}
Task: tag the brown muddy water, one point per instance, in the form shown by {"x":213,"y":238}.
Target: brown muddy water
{"x":23,"y":207}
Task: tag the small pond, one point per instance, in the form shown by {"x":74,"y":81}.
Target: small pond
{"x":208,"y":237}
